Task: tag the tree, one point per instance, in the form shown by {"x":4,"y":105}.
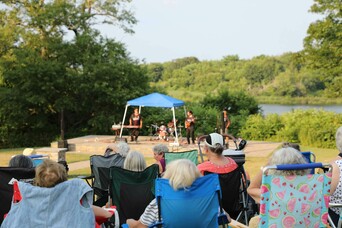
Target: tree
{"x":240,"y":106}
{"x":81,"y":82}
{"x":323,"y":44}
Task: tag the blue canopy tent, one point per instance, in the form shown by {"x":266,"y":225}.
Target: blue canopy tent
{"x":155,"y":100}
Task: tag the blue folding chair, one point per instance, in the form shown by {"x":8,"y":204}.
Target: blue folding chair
{"x":195,"y":206}
{"x":38,"y":159}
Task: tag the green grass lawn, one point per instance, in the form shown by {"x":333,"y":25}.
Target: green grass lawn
{"x":6,"y":154}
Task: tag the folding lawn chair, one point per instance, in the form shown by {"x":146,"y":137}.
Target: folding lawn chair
{"x":6,"y":188}
{"x":99,"y":179}
{"x":132,"y":191}
{"x":196,"y":206}
{"x":59,"y":206}
{"x":230,"y":191}
{"x":38,"y":159}
{"x":295,"y":200}
{"x":192,"y":155}
{"x":234,"y":185}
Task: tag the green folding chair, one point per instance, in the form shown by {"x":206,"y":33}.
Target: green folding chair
{"x":132,"y":191}
{"x":192,"y":155}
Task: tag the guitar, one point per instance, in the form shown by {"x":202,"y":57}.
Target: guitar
{"x":188,"y":121}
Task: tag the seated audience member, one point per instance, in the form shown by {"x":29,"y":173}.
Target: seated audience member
{"x":336,"y":182}
{"x":293,"y":145}
{"x":49,"y":174}
{"x":20,"y":161}
{"x":338,"y":138}
{"x":158,"y":151}
{"x":282,"y":156}
{"x":181,"y":174}
{"x":217,"y":163}
{"x":121,"y":148}
{"x":135,"y":161}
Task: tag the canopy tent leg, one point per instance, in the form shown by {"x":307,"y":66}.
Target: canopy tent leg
{"x":123,"y":121}
{"x":174,"y":124}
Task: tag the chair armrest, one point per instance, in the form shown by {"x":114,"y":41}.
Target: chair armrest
{"x":88,"y":179}
{"x":156,"y":224}
{"x":335,"y":204}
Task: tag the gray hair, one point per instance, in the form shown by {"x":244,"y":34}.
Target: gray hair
{"x":288,"y":155}
{"x":121,"y":148}
{"x":20,"y":161}
{"x":160,"y":148}
{"x":135,"y":161}
{"x":338,"y":138}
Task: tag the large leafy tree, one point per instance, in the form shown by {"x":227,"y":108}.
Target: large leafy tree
{"x":53,"y":79}
{"x":323,"y":44}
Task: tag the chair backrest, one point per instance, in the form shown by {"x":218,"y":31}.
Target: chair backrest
{"x":237,"y":155}
{"x":195,"y":206}
{"x":6,"y":189}
{"x":296,"y":200}
{"x":192,"y":155}
{"x":100,"y":165}
{"x":132,"y":191}
{"x":230,"y":184}
{"x":38,"y":159}
{"x":59,"y":206}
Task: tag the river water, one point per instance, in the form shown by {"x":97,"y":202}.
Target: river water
{"x":280,"y":109}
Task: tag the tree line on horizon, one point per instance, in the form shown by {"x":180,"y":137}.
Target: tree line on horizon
{"x":61,"y":78}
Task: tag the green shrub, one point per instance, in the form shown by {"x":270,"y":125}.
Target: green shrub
{"x":314,"y":128}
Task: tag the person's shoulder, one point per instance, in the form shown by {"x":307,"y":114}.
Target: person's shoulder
{"x":203,"y":165}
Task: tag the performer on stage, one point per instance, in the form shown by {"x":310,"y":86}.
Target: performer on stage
{"x":135,"y":120}
{"x":190,"y":126}
{"x":225,"y":121}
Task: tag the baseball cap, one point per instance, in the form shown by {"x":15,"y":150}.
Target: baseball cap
{"x":214,"y":138}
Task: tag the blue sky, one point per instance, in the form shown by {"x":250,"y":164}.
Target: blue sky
{"x":210,"y":30}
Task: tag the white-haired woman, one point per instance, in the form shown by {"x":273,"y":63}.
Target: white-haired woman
{"x":121,"y":148}
{"x":158,"y":154}
{"x":135,"y":161}
{"x":181,"y":173}
{"x":282,"y":156}
{"x":287,"y":155}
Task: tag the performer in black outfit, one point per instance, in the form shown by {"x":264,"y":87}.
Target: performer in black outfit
{"x":135,"y":120}
{"x":190,"y":126}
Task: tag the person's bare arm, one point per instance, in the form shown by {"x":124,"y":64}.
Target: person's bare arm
{"x":135,"y":223}
{"x":100,"y":212}
{"x":335,"y":178}
{"x":254,"y":188}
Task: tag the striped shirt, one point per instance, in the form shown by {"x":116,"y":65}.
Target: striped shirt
{"x":150,"y":214}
